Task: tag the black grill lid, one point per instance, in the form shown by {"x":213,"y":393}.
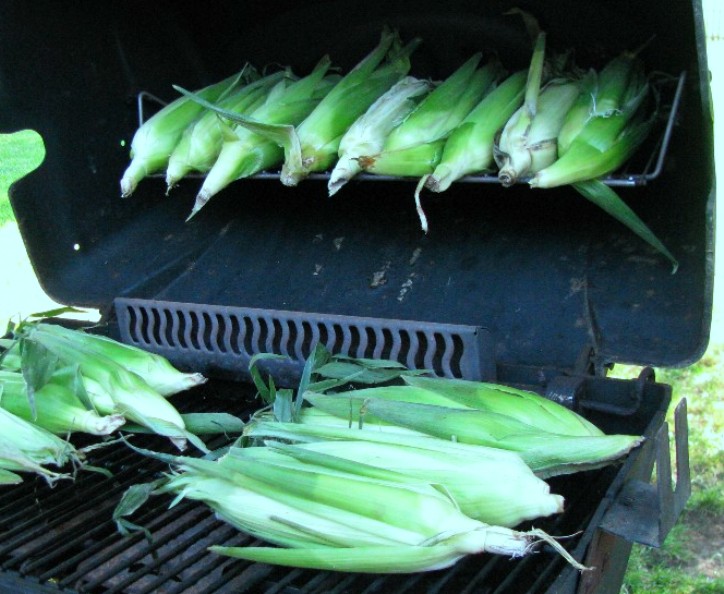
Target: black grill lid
{"x":544,"y":271}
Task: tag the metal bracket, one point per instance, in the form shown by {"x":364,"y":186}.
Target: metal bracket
{"x":645,"y":513}
{"x":566,"y":390}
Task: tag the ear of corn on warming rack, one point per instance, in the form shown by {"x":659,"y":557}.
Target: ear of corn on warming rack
{"x":564,"y":128}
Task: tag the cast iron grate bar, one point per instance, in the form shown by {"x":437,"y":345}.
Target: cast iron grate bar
{"x":111,"y":536}
{"x":122,"y":556}
{"x":19,"y":505}
{"x":207,"y":565}
{"x":550,"y":571}
{"x":343,"y":584}
{"x":219,"y":573}
{"x":226,"y":533}
{"x":244,"y":576}
{"x":59,"y":550}
{"x":113,"y":458}
{"x":321,"y":581}
{"x":112,"y":545}
{"x":41,"y":524}
{"x":281,"y":584}
{"x":226,"y":338}
{"x":160,"y":551}
{"x":396,"y":584}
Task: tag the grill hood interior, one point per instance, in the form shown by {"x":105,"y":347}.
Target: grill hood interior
{"x":545,"y":271}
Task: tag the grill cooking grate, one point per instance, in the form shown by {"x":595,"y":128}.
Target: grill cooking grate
{"x":63,"y":538}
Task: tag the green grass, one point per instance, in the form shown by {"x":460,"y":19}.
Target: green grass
{"x":691,"y":561}
{"x":20,"y":153}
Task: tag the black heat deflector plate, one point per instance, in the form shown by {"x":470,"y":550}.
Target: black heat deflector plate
{"x":221,"y":340}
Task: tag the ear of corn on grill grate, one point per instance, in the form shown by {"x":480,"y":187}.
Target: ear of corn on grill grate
{"x":337,"y":516}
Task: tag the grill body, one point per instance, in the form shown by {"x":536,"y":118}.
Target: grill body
{"x":537,"y":289}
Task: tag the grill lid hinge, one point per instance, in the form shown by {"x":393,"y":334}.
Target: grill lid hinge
{"x":645,"y":513}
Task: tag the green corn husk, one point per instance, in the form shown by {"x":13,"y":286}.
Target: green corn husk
{"x":469,"y":149}
{"x":528,"y":142}
{"x":315,"y":417}
{"x":244,"y":152}
{"x":351,"y":405}
{"x":319,"y":135}
{"x":515,"y":496}
{"x":341,"y":520}
{"x":409,"y":393}
{"x":313,"y":144}
{"x":315,"y":424}
{"x":57,"y":408}
{"x":414,"y":161}
{"x":617,"y":92}
{"x":603,"y":130}
{"x":606,"y":198}
{"x":586,"y":160}
{"x":594,"y":144}
{"x":580,"y":112}
{"x":367,"y":134}
{"x":351,"y":491}
{"x":523,"y":405}
{"x":446,"y":106}
{"x":201,"y":143}
{"x":315,"y":499}
{"x":156,"y":139}
{"x":9,"y":478}
{"x":155,"y":370}
{"x":131,"y":396}
{"x":415,"y":147}
{"x":24,"y":447}
{"x":213,"y":423}
{"x":547,"y":454}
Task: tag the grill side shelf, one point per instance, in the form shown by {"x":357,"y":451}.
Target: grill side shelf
{"x":221,"y":340}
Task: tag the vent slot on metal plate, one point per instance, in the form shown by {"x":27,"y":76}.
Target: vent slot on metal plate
{"x":222,"y":340}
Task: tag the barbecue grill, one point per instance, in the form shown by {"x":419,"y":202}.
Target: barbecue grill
{"x":536,"y":289}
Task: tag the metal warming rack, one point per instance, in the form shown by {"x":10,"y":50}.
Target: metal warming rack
{"x":631,"y":175}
